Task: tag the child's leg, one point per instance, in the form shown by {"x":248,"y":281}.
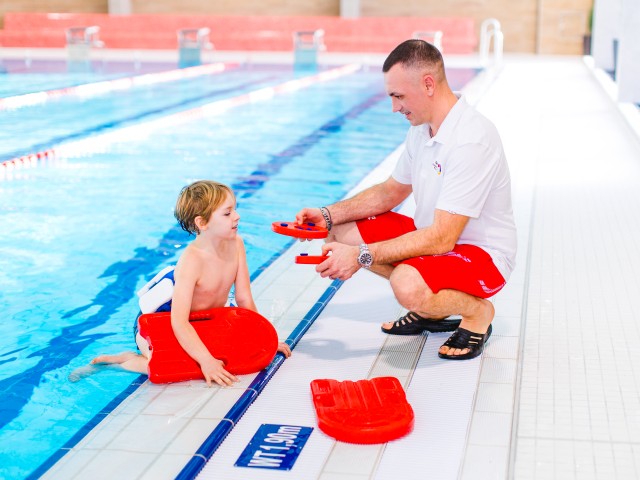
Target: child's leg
{"x":129,"y":361}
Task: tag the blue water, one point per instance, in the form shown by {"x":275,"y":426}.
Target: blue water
{"x":79,"y":237}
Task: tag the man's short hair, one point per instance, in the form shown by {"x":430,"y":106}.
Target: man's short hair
{"x":416,"y":54}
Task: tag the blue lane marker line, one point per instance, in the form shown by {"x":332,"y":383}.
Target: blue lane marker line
{"x":211,"y":444}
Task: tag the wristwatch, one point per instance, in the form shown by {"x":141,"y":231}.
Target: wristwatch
{"x":364,"y":258}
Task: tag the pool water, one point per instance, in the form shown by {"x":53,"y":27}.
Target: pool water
{"x":79,"y":236}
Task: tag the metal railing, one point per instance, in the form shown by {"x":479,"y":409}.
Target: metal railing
{"x":306,"y":45}
{"x":490,"y":30}
{"x":191,"y":42}
{"x":79,"y":43}
{"x":433,"y":37}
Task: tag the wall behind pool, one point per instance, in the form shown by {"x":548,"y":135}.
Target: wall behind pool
{"x":529,"y":26}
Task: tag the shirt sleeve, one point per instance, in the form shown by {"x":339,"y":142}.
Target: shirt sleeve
{"x":402,"y":171}
{"x":468,"y":178}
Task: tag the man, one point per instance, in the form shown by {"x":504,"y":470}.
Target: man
{"x":459,"y":249}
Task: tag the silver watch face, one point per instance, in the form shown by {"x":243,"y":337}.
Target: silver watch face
{"x":365,"y":259}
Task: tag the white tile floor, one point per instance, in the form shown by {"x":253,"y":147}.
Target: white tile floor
{"x":556,"y":393}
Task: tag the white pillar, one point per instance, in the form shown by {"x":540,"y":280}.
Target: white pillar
{"x":120,"y":7}
{"x":350,"y":8}
{"x":628,"y":68}
{"x":607,"y":20}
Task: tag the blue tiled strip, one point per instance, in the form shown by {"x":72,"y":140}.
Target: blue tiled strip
{"x":211,"y":444}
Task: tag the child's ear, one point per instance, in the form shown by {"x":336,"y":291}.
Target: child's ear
{"x":200,"y":223}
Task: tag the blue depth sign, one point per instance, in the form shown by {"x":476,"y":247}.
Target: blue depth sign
{"x":275,"y":447}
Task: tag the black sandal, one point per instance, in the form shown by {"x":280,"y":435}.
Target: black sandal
{"x":414,"y":324}
{"x":462,"y":338}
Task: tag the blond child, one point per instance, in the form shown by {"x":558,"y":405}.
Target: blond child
{"x":210,"y":265}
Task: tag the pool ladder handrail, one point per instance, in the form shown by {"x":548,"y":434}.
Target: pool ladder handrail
{"x":191,"y":43}
{"x":88,"y":36}
{"x":194,"y":38}
{"x":434,"y":37}
{"x":490,"y":29}
{"x":309,"y":40}
{"x":306,"y":45}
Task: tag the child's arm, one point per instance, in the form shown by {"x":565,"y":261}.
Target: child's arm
{"x":243,"y":290}
{"x":244,"y":298}
{"x":186,"y":275}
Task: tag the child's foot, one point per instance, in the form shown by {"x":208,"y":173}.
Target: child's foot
{"x":110,"y":359}
{"x":130,"y":361}
{"x":83,"y":372}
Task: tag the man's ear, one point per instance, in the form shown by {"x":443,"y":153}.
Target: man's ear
{"x":429,"y":83}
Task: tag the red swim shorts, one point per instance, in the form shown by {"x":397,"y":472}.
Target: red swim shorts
{"x":466,"y":268}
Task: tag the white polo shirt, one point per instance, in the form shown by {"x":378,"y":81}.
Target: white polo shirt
{"x":463,"y":170}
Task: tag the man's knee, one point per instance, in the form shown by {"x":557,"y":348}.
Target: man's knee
{"x":409,"y":287}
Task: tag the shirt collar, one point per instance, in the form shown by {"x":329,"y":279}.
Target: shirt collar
{"x":448,"y":125}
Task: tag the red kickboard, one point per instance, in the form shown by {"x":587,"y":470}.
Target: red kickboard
{"x":304,"y":230}
{"x":366,"y":411}
{"x":305,"y":259}
{"x":244,"y":340}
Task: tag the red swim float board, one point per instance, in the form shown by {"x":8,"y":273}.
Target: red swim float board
{"x":306,"y":259}
{"x":244,"y":340}
{"x":366,"y":411}
{"x":304,"y":230}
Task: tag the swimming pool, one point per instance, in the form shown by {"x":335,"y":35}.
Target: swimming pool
{"x":81,"y":234}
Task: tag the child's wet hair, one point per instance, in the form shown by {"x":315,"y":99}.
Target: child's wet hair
{"x":199,"y":199}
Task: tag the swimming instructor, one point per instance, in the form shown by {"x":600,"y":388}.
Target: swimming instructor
{"x":459,"y":248}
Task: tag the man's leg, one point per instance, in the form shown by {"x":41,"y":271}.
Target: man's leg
{"x":349,"y":234}
{"x":414,"y":294}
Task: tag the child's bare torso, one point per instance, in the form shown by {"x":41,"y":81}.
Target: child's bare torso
{"x":218,"y":273}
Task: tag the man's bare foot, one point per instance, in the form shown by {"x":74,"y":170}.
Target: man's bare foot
{"x":477,"y":325}
{"x":414,"y":324}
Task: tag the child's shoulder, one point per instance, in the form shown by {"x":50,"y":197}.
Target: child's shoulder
{"x":190,"y":255}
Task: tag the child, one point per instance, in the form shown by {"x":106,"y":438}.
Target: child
{"x":203,"y":278}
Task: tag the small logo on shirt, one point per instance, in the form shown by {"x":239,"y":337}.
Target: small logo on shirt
{"x":437,"y":167}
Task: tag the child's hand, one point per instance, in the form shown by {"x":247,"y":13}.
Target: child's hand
{"x":284,"y":349}
{"x":214,"y":371}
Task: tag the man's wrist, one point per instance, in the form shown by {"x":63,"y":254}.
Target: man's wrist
{"x":365,"y":258}
{"x":326,"y":214}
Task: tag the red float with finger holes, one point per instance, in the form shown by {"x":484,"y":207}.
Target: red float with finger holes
{"x":307,"y":231}
{"x":306,"y":259}
{"x":365,"y":411}
{"x":244,"y":340}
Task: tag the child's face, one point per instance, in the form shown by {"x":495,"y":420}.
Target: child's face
{"x":224,"y":219}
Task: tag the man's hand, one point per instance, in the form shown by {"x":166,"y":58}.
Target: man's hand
{"x":310,"y":215}
{"x":341,"y":264}
{"x":214,"y":371}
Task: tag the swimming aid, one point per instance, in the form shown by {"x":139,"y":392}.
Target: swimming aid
{"x":244,"y":340}
{"x":156,"y":295}
{"x":365,"y":411}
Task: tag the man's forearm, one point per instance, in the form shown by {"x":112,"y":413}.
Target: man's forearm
{"x":437,"y":239}
{"x":372,"y":201}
